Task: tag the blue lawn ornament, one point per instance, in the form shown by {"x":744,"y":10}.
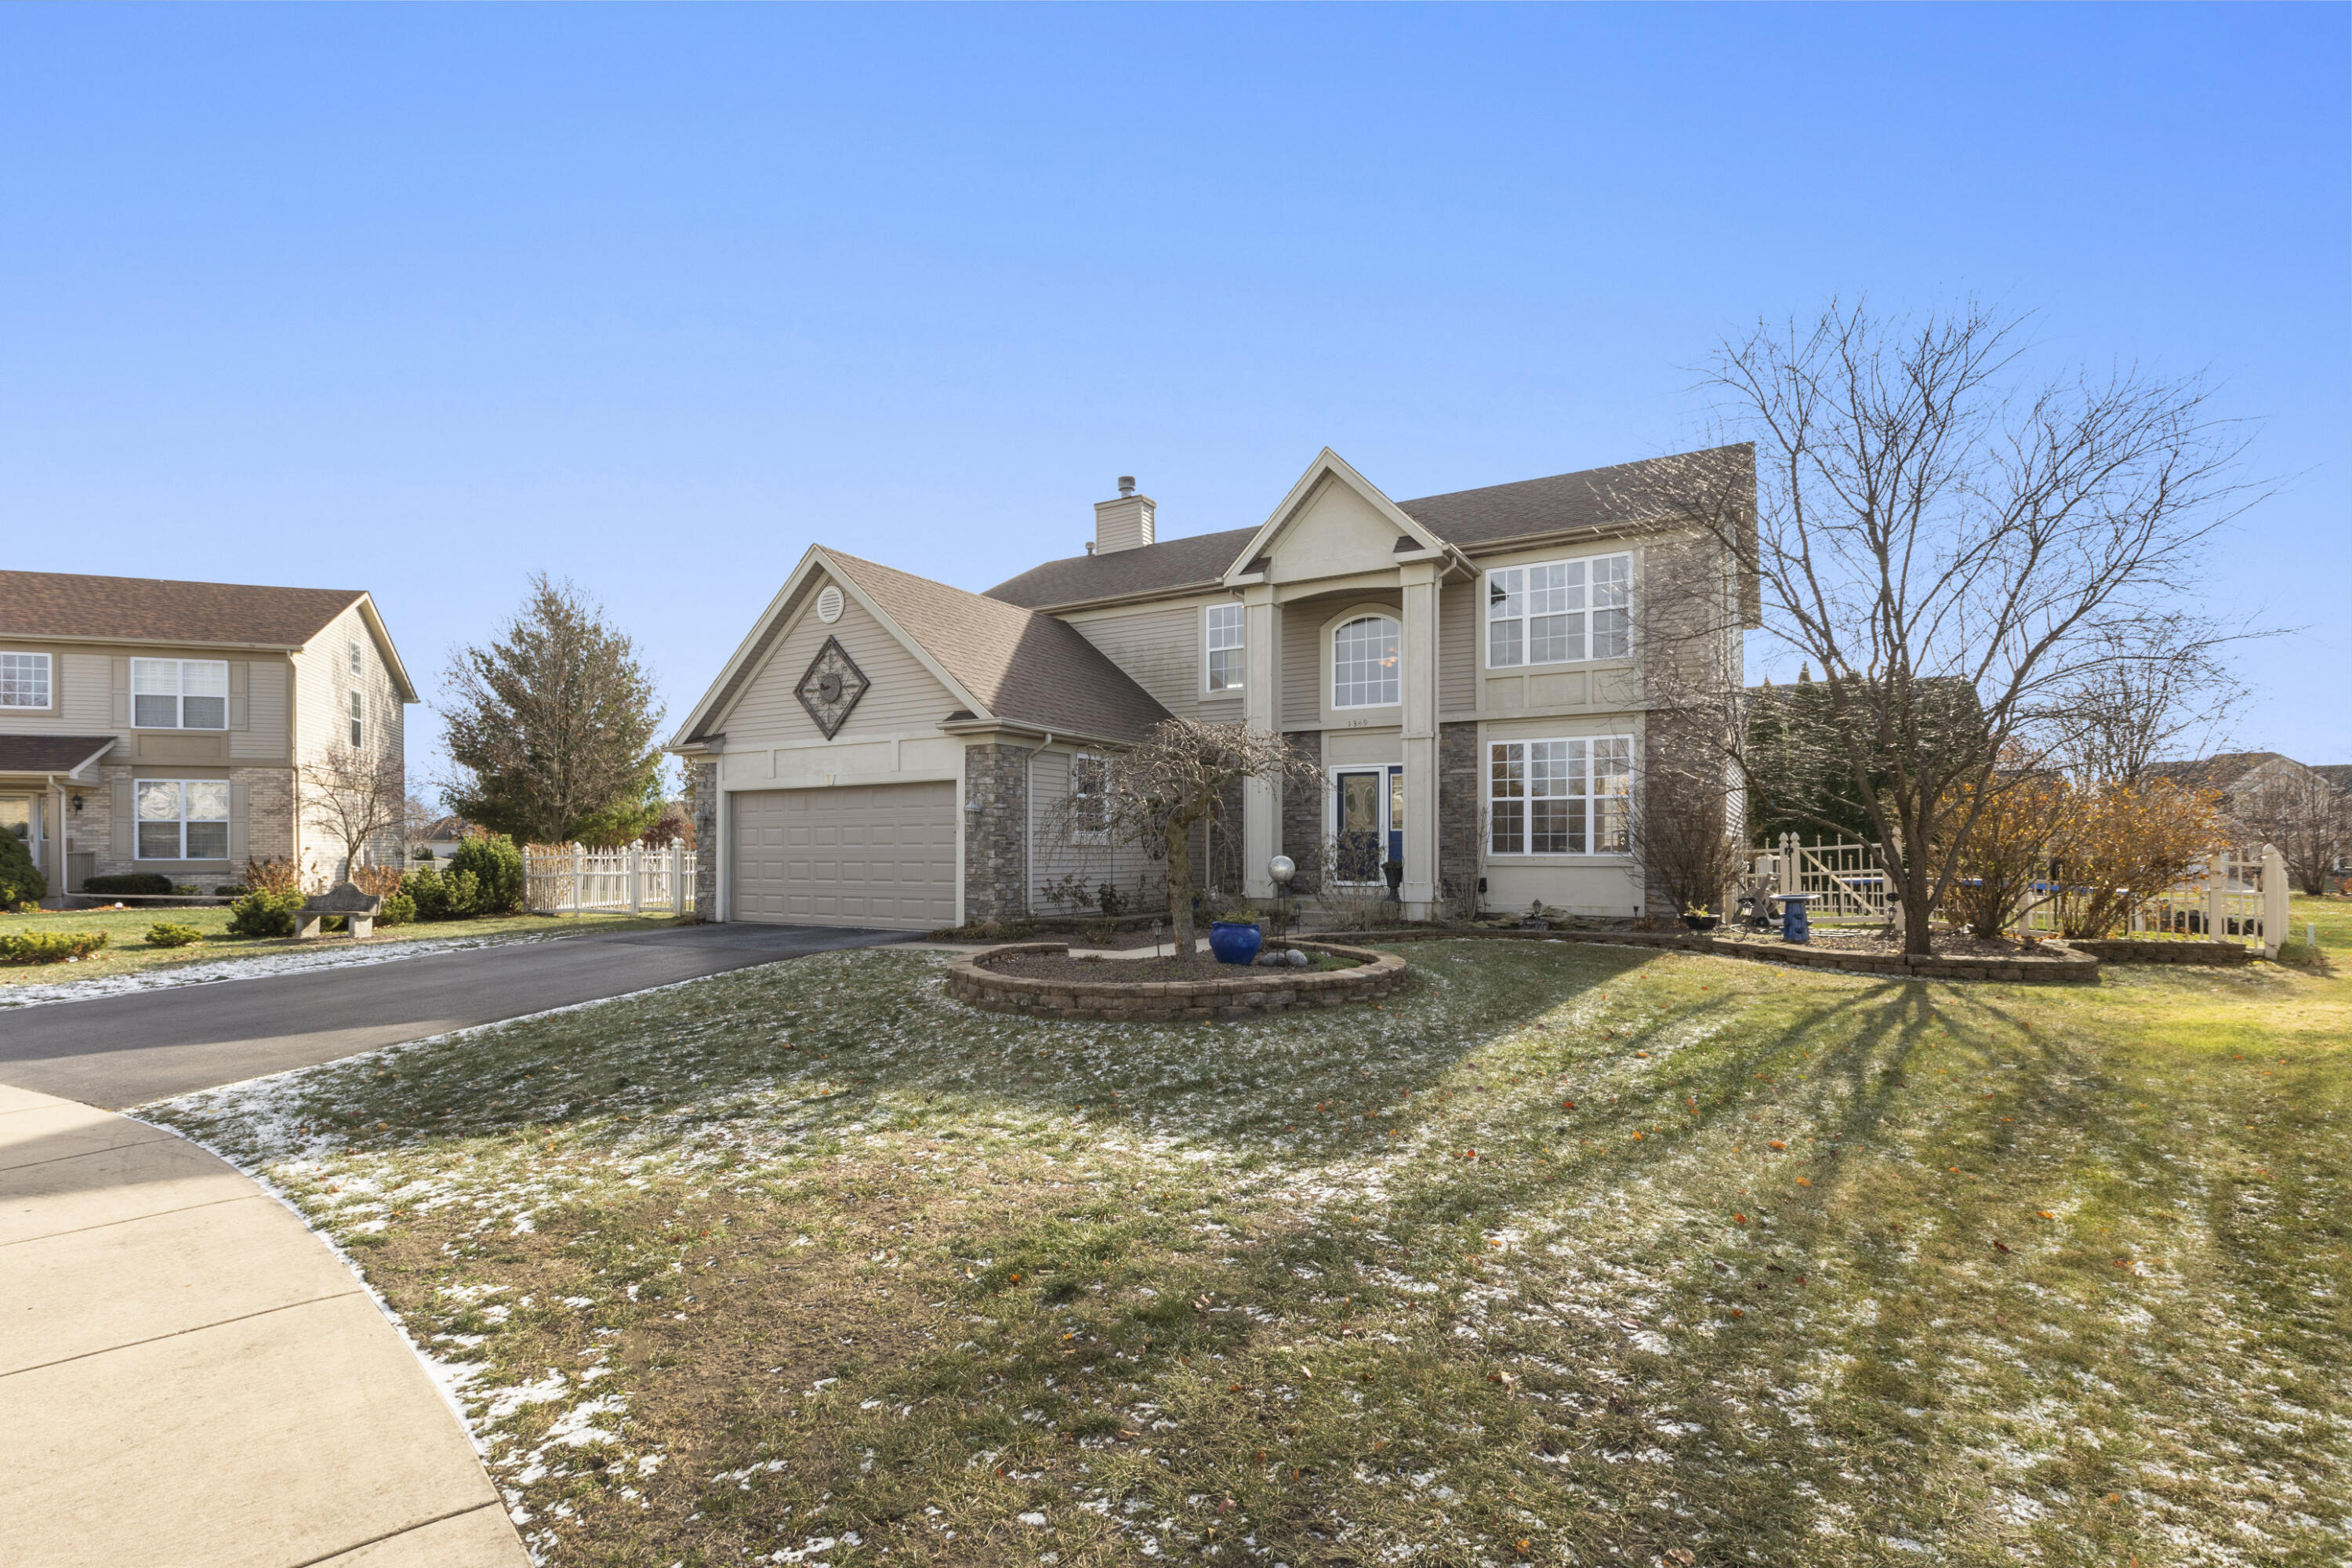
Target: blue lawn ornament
{"x":1235,"y":941}
{"x":1794,"y":927}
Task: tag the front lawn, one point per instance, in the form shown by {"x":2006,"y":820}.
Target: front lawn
{"x":1564,"y":1254}
{"x":126,"y":951}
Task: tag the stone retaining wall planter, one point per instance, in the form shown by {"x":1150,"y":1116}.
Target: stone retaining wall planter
{"x":2126,"y":950}
{"x":2062,"y":966}
{"x":1251,"y":993}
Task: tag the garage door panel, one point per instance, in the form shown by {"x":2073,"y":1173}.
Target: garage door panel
{"x":860,"y":855}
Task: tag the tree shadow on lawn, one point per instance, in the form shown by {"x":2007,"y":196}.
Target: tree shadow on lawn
{"x":1223,"y":1280}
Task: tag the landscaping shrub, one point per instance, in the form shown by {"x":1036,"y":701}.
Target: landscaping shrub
{"x":425,"y":853}
{"x":164,"y":933}
{"x":397,"y":910}
{"x":129,"y":882}
{"x":442,"y":895}
{"x":230,"y":890}
{"x":20,"y":881}
{"x":49,"y":947}
{"x":495,"y":867}
{"x":264,"y":914}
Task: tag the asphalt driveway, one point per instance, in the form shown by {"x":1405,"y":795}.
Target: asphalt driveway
{"x":123,"y":1050}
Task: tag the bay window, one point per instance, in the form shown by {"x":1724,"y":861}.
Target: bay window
{"x":1566,"y":797}
{"x":1558,"y":612}
{"x":183,"y":819}
{"x":179,"y":694}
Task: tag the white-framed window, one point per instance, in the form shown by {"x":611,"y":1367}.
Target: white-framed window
{"x":357,"y":668}
{"x":1224,"y":644}
{"x":1559,"y":797}
{"x":1558,"y":612}
{"x":24,"y":680}
{"x":1364,"y":663}
{"x":183,"y":819}
{"x":1089,"y":798}
{"x":178,"y":693}
{"x":359,"y":721}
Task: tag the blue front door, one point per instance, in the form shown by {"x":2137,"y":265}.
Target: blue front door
{"x":1368,"y":821}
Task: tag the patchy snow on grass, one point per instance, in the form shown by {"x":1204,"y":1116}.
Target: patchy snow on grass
{"x":348,"y":955}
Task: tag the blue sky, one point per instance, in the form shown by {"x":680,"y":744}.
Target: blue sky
{"x":421,"y":300}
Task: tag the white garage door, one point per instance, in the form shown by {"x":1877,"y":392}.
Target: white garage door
{"x":881,"y":855}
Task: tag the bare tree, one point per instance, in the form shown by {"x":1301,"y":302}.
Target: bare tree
{"x":1950,"y":548}
{"x":2302,"y":814}
{"x":553,"y":726}
{"x":2140,"y":693}
{"x":1684,"y":829}
{"x":355,"y":796}
{"x":1183,"y":775}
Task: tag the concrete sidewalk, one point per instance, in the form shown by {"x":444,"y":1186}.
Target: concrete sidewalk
{"x":189,"y":1377}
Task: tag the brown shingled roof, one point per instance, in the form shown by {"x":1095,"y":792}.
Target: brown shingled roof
{"x":148,"y":609}
{"x":1025,"y":667}
{"x":50,"y":753}
{"x":1472,"y":519}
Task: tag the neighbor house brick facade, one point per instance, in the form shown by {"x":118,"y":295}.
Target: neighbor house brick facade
{"x":1468,"y":668}
{"x":162,"y":726}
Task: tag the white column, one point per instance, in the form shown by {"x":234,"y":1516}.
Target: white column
{"x":1261,"y":709}
{"x":678,"y":875}
{"x":1420,"y":655}
{"x":576,"y":873}
{"x":2217,"y":895}
{"x":636,"y":879}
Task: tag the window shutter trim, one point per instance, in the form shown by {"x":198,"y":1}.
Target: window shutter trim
{"x":240,"y":710}
{"x":236,"y":808}
{"x":122,"y":694}
{"x":121,"y":839}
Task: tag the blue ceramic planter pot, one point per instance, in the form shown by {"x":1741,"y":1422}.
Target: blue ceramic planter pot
{"x":1234,"y":941}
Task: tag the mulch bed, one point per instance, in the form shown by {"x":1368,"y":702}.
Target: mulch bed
{"x":1945,"y":944}
{"x":1129,"y":970}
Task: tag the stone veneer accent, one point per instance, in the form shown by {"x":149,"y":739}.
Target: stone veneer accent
{"x":1458,"y":798}
{"x":1249,"y":993}
{"x":702,"y":784}
{"x":268,"y":823}
{"x":995,"y":836}
{"x":1302,"y":816}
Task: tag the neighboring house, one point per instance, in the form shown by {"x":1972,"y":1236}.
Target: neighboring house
{"x":2239,"y":778}
{"x":439,"y":838}
{"x":887,"y":751}
{"x":159,"y":726}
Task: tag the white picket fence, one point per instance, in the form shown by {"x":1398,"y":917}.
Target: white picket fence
{"x":2239,"y":894}
{"x":636,"y":879}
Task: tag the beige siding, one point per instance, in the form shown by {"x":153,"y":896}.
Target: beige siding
{"x":321,"y":684}
{"x":1302,"y":669}
{"x":267,"y":684}
{"x":1056,"y":852}
{"x":1337,"y":532}
{"x":1457,"y":648}
{"x":904,"y":698}
{"x":83,"y":684}
{"x":1158,"y":648}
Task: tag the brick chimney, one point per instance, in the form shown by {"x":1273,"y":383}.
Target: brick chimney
{"x":1124,"y":523}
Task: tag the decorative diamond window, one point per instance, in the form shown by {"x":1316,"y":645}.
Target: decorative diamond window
{"x":832,"y":687}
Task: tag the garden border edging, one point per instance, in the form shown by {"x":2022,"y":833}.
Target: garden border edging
{"x":2066,"y":967}
{"x":1256,"y":992}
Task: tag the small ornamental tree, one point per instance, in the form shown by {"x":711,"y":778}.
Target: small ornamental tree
{"x":2005,"y":860}
{"x":1182,"y":776}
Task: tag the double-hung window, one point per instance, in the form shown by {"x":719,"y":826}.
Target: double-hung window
{"x":179,"y":694}
{"x":24,"y":680}
{"x":183,"y":819}
{"x":1225,"y":630}
{"x":1560,"y":611}
{"x":359,"y":721}
{"x":1559,"y":797}
{"x":1089,"y":798}
{"x":1364,"y":663}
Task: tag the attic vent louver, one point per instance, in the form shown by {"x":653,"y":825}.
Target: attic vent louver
{"x":828,"y":603}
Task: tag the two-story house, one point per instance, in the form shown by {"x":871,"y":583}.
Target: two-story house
{"x":887,"y":751}
{"x":162,"y":726}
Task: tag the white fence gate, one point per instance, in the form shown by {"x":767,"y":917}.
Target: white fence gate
{"x":632,"y":880}
{"x":1845,"y":879}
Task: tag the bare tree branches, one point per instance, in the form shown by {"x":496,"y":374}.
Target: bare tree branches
{"x":354,"y":797}
{"x":1182,"y":776}
{"x":1953,"y":552}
